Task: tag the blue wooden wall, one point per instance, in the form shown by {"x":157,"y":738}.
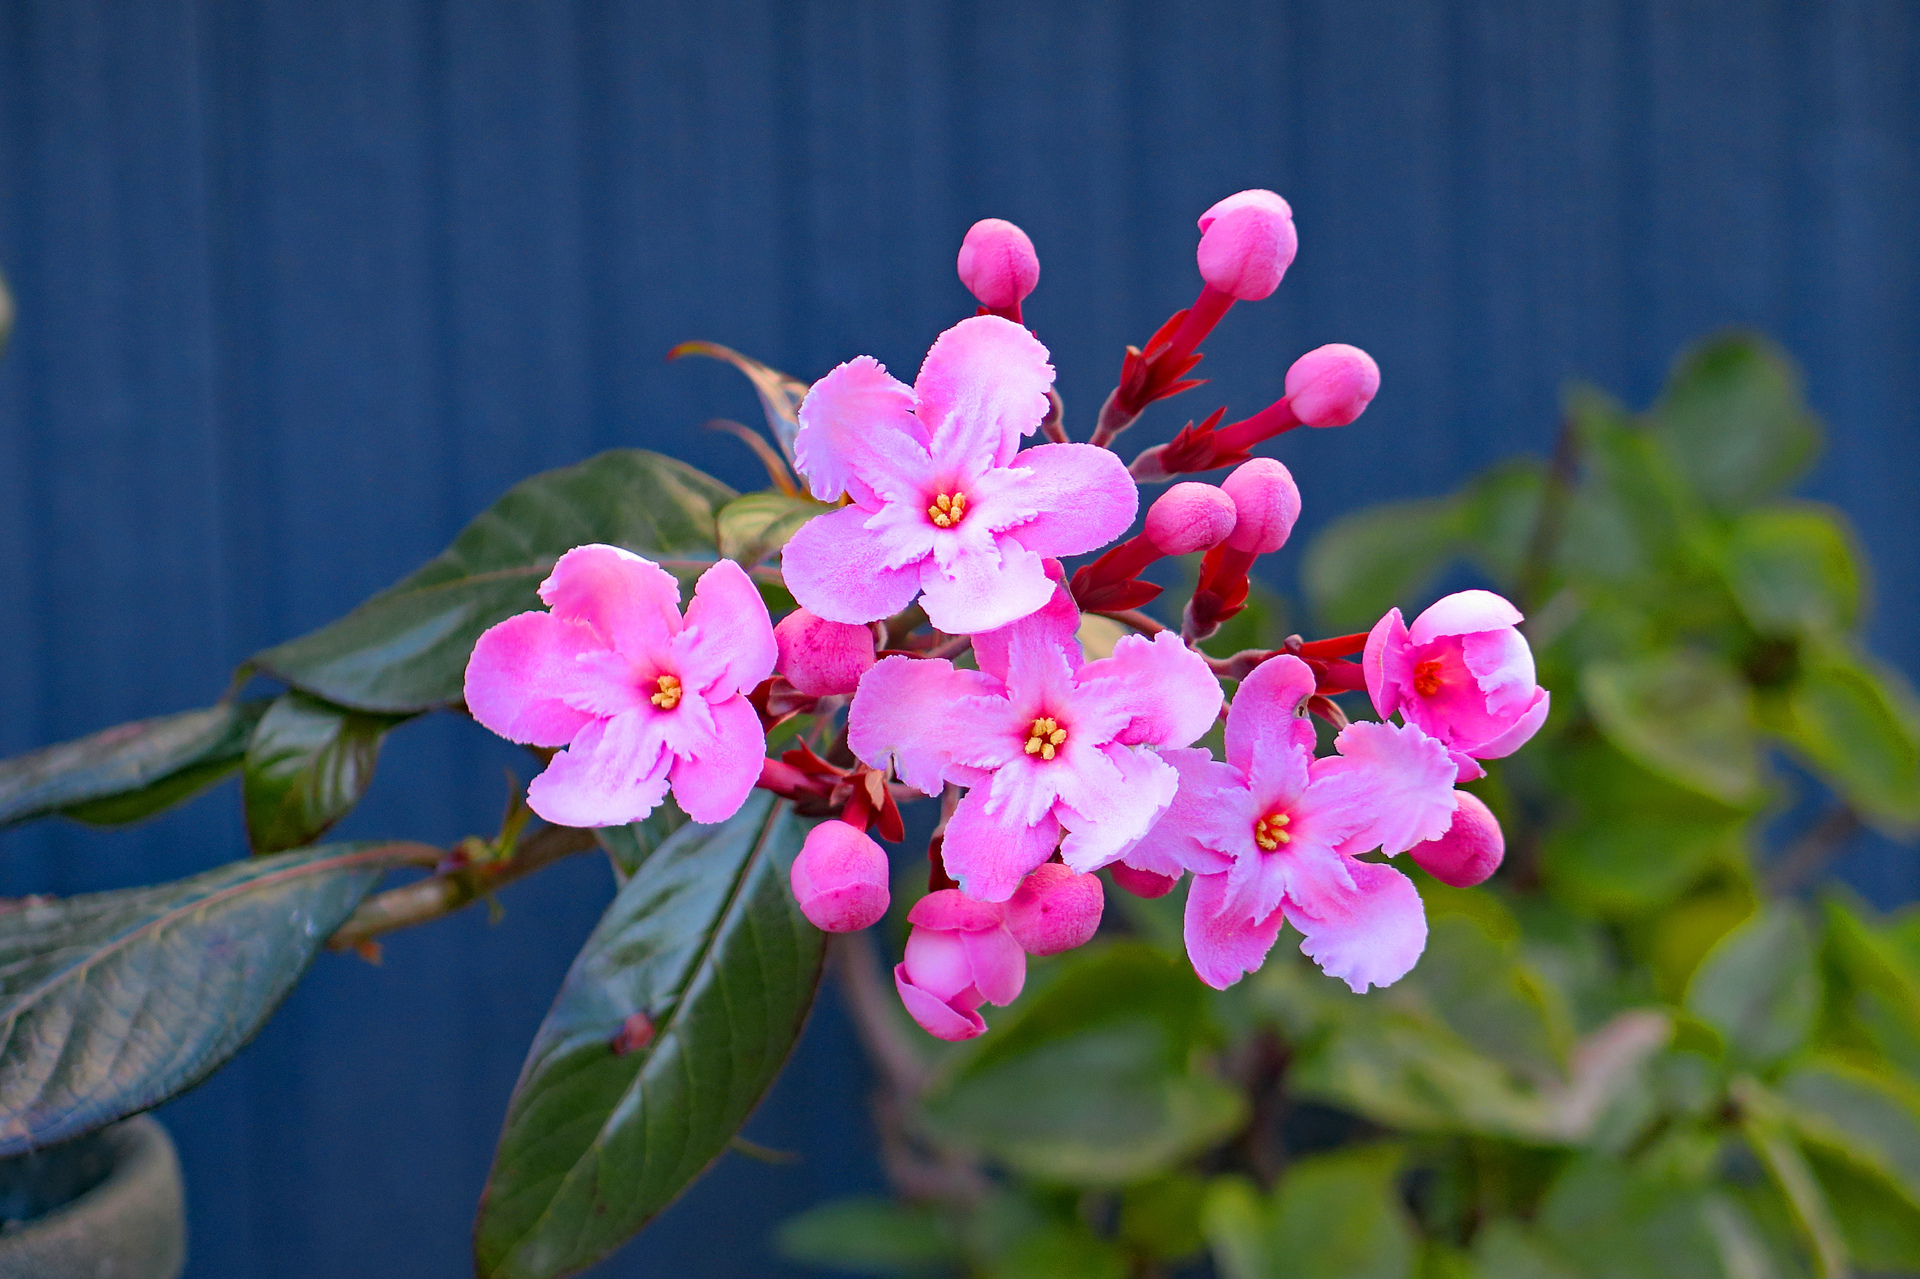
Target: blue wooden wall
{"x":305,"y":283}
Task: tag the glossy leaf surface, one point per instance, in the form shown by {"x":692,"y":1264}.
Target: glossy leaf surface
{"x":125,"y":759}
{"x":756,"y":525}
{"x":307,"y":765}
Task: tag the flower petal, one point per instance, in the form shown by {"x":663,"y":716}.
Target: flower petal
{"x":1400,"y":778}
{"x":615,"y":772}
{"x":936,"y":1018}
{"x":1266,"y":715}
{"x":1083,"y":497}
{"x":1057,"y":622}
{"x":978,"y":591}
{"x":999,"y":965}
{"x":837,"y":568}
{"x":1108,"y":810}
{"x":1386,"y":663}
{"x":843,"y":414}
{"x":1502,"y":665}
{"x":1522,"y":731}
{"x":1204,"y":826}
{"x":987,"y":854}
{"x":520,"y":673}
{"x":727,"y":646}
{"x":1164,"y":688}
{"x":983,"y":386}
{"x":1222,"y":946}
{"x":1463,"y":613}
{"x":908,"y":711}
{"x":633,"y":603}
{"x":1371,"y":934}
{"x":713,"y":781}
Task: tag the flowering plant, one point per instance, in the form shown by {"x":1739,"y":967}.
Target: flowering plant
{"x":735,"y":733}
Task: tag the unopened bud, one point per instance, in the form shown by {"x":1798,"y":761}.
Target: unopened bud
{"x":1190,"y":517}
{"x":1247,"y":241}
{"x":840,"y":878}
{"x":1470,"y":851}
{"x":822,"y":658}
{"x":997,"y":264}
{"x":1332,"y":385}
{"x":1142,"y":883}
{"x":1054,"y":910}
{"x":1266,"y":502}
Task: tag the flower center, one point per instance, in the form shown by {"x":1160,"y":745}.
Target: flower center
{"x":1045,"y":737}
{"x":947,"y":509}
{"x":1426,"y":677}
{"x":669,"y":695}
{"x":1271,"y":831}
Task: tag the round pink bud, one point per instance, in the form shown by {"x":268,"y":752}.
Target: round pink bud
{"x":1055,"y":910}
{"x":822,"y":658}
{"x":840,"y":878}
{"x":1471,"y":849}
{"x":1266,"y":502}
{"x":1247,"y":241}
{"x":1190,"y":517}
{"x":1332,"y":385}
{"x":1142,"y":883}
{"x":998,"y":264}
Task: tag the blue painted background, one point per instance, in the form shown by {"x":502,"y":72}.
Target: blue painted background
{"x":305,"y":283}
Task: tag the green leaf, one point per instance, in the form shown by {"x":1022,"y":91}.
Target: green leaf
{"x":1879,"y":1224}
{"x":780,"y":394}
{"x":1618,"y":1223}
{"x":756,"y":525}
{"x":1499,"y":515}
{"x":1873,"y":988}
{"x":1161,"y":1218}
{"x":1363,"y":564}
{"x":629,"y":846}
{"x":706,"y":945}
{"x":868,"y":1236}
{"x":406,"y":649}
{"x":1765,"y":1128}
{"x":1477,"y":986}
{"x":1684,"y":715}
{"x":114,"y":1002}
{"x":1060,"y":1250}
{"x":1794,"y":570}
{"x":307,"y":765}
{"x":1734,"y":421}
{"x":1758,"y":987}
{"x":1870,"y":1118}
{"x":1091,"y":1081}
{"x":1333,"y":1216}
{"x":124,"y":760}
{"x":1503,"y":1250}
{"x":1857,"y":724}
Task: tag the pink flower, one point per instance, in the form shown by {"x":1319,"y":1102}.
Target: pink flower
{"x":1048,"y":745}
{"x":840,"y":878}
{"x":958,"y":956}
{"x":641,"y":699}
{"x":822,"y":658}
{"x":1247,"y":242}
{"x":1055,"y":910}
{"x":998,"y":265}
{"x":1463,"y":673}
{"x":1191,"y":517}
{"x":1332,"y":385}
{"x":1274,"y":835}
{"x":1470,"y":851}
{"x":1266,"y":504}
{"x":941,"y":504}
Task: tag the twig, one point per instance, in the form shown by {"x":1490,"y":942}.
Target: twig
{"x":1544,"y":542}
{"x":1809,"y":854}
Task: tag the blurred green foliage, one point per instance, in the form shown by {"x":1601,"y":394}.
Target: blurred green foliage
{"x":1654,"y":1045}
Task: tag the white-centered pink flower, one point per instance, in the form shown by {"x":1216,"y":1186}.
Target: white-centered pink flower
{"x":1462,"y":673}
{"x":1274,"y":836}
{"x":1050,"y":745}
{"x":641,"y":698}
{"x":943,"y":504}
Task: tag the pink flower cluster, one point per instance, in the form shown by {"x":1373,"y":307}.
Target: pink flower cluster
{"x":1052,"y":766}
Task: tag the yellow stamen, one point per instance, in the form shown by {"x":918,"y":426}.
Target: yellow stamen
{"x":947,"y":509}
{"x":669,"y":695}
{"x":1045,"y":737}
{"x":1269,"y":832}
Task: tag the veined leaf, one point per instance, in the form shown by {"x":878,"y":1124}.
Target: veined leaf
{"x":1684,"y":715}
{"x":308,"y":764}
{"x":628,"y":846}
{"x":676,"y":1016}
{"x":113,"y":1002}
{"x":1858,"y":725}
{"x":406,"y":649}
{"x":1758,"y":987}
{"x":756,"y":525}
{"x":124,"y":760}
{"x":1734,"y":421}
{"x":1794,"y":570}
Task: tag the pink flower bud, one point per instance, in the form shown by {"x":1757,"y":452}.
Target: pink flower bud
{"x":1332,"y":385}
{"x":1247,"y":241}
{"x":958,"y":956}
{"x":840,"y":878}
{"x":1471,"y":849}
{"x":1266,"y":502}
{"x":1142,"y":883}
{"x":1190,"y":517}
{"x":1055,"y":910}
{"x":821,"y":658}
{"x":998,"y":264}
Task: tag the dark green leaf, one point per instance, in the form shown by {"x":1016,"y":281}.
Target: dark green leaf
{"x":869,"y":1237}
{"x":1870,"y":1118}
{"x":114,"y":1002}
{"x":307,"y":765}
{"x":1363,"y":564}
{"x":1615,"y":1222}
{"x":1733,"y":419}
{"x":1684,"y":715}
{"x":756,"y":525}
{"x":1763,"y":1123}
{"x":1758,"y":986}
{"x":1060,"y":1250}
{"x":1503,"y":1250}
{"x":1880,"y":1224}
{"x":1874,"y":988}
{"x":707,"y":946}
{"x":1333,"y":1216}
{"x":1477,"y":986}
{"x":1858,"y":725}
{"x":406,"y":648}
{"x":1161,"y":1218}
{"x":1794,"y":570}
{"x":1092,"y":1080}
{"x":629,"y":846}
{"x":123,"y":760}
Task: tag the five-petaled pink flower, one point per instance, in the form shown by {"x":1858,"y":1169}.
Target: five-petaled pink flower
{"x":941,"y":503}
{"x":1274,"y":835}
{"x":1463,"y":673}
{"x":1047,"y":743}
{"x":640,"y":698}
